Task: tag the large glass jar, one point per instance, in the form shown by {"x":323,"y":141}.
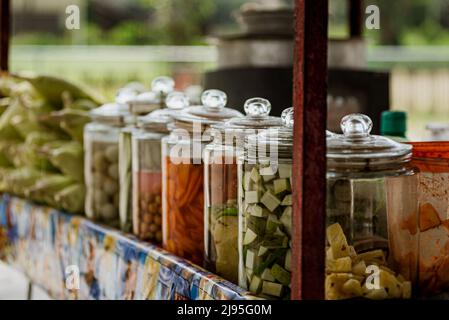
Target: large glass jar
{"x":371,"y":212}
{"x":101,"y":138}
{"x":221,"y":186}
{"x":432,"y":159}
{"x":265,"y":207}
{"x":139,"y":104}
{"x":147,"y":169}
{"x":183,"y":175}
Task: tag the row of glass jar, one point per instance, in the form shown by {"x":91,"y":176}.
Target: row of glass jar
{"x":191,"y":194}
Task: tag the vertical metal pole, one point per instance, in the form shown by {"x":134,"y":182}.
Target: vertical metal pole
{"x":309,"y":154}
{"x":355,"y":18}
{"x":5,"y":24}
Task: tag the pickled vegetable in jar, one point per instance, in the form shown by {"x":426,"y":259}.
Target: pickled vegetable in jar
{"x":183,"y":175}
{"x":147,"y":169}
{"x":371,"y":213}
{"x":432,"y":159}
{"x":139,"y":104}
{"x":265,"y":206}
{"x":221,"y":189}
{"x":101,"y":138}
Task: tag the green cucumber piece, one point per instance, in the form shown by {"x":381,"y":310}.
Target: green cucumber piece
{"x":266,"y":275}
{"x":252,"y":196}
{"x":250,"y":259}
{"x":287,"y":201}
{"x":285,"y":171}
{"x":279,"y":232}
{"x":270,"y":201}
{"x":272,"y":288}
{"x":281,"y":275}
{"x":257,"y":211}
{"x":257,"y":225}
{"x":268,"y":171}
{"x":256,"y":284}
{"x":247,"y":183}
{"x":268,"y":178}
{"x":255,"y":175}
{"x":288,"y":260}
{"x":262,"y":251}
{"x":270,"y":260}
{"x":250,"y":237}
{"x":272,"y":223}
{"x":275,"y":242}
{"x":281,"y":185}
{"x":286,"y":220}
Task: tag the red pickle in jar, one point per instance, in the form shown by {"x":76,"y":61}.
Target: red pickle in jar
{"x":371,"y":212}
{"x":432,"y":158}
{"x":139,"y":105}
{"x":221,"y":186}
{"x":265,"y":211}
{"x":183,"y":175}
{"x":147,"y":168}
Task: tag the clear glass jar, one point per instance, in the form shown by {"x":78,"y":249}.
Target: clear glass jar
{"x":147,"y":169}
{"x":101,"y":138}
{"x":265,"y":206}
{"x":183,"y":175}
{"x":221,"y":186}
{"x":139,"y":104}
{"x":432,"y":159}
{"x":371,"y":212}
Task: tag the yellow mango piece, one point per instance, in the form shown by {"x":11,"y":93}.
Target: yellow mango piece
{"x":339,"y":265}
{"x":329,"y":255}
{"x":353,"y":287}
{"x":359,"y":268}
{"x":352,"y":252}
{"x":333,"y":286}
{"x":391,"y":285}
{"x":372,"y":257}
{"x":375,"y":294}
{"x":337,"y":241}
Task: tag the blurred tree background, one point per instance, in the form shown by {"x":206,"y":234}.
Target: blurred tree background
{"x":188,"y":22}
{"x":403,"y":22}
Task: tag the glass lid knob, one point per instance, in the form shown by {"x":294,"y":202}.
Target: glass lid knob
{"x":214,"y":100}
{"x":177,"y":100}
{"x":287,"y":117}
{"x":146,"y":97}
{"x":257,"y":107}
{"x":356,"y":125}
{"x":163,"y":85}
{"x":125,"y":95}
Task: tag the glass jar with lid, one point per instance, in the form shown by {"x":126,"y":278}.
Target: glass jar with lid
{"x":183,"y":174}
{"x":139,"y":104}
{"x":101,"y":138}
{"x":371,"y":213}
{"x":265,"y":206}
{"x":221,"y":186}
{"x":432,"y":159}
{"x":147,"y":169}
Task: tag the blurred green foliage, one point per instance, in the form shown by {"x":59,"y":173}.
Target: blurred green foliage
{"x":188,"y":22}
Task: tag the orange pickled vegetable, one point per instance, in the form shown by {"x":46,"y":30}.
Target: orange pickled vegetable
{"x":184,"y":216}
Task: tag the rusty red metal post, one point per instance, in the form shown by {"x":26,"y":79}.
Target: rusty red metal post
{"x":355,"y":18}
{"x":309,"y":154}
{"x":5,"y":23}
